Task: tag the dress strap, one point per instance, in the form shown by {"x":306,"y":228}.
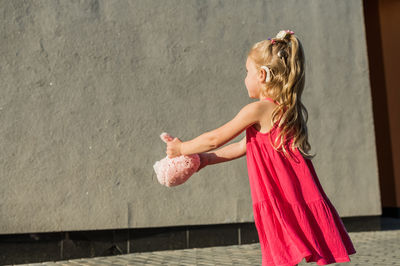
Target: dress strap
{"x":270,"y":99}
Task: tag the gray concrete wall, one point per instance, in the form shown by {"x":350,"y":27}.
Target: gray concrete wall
{"x":87,"y":87}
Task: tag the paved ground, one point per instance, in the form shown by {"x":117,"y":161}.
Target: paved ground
{"x":373,"y":248}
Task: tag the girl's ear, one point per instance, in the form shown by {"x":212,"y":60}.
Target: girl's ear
{"x":262,"y":75}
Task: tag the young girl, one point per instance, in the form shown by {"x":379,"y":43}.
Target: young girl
{"x":293,"y":216}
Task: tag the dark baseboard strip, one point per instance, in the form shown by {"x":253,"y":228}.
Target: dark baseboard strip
{"x":393,"y":212}
{"x":40,"y":247}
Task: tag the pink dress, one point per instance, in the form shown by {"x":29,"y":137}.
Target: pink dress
{"x":293,"y":216}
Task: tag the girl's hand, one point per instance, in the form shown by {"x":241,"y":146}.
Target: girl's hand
{"x":174,"y":148}
{"x":203,"y":160}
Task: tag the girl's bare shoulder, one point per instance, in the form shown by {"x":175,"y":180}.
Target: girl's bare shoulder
{"x":265,"y":107}
{"x":265,"y":114}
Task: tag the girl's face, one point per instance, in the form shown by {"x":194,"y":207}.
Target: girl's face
{"x":253,"y":79}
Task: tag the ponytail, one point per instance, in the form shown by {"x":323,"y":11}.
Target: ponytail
{"x":284,"y":56}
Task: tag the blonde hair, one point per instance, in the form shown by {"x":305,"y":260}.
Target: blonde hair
{"x":284,"y":56}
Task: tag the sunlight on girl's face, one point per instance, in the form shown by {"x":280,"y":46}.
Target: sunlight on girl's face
{"x":251,"y":80}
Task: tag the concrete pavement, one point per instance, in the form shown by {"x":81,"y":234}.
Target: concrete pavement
{"x":373,"y":248}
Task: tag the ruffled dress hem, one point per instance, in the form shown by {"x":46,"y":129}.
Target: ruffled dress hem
{"x":310,"y":258}
{"x":313,"y":229}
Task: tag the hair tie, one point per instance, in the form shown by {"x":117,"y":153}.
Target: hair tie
{"x":268,"y":77}
{"x":281,"y":35}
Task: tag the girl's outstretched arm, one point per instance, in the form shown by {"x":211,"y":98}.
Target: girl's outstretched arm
{"x":211,"y":140}
{"x":227,"y":153}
